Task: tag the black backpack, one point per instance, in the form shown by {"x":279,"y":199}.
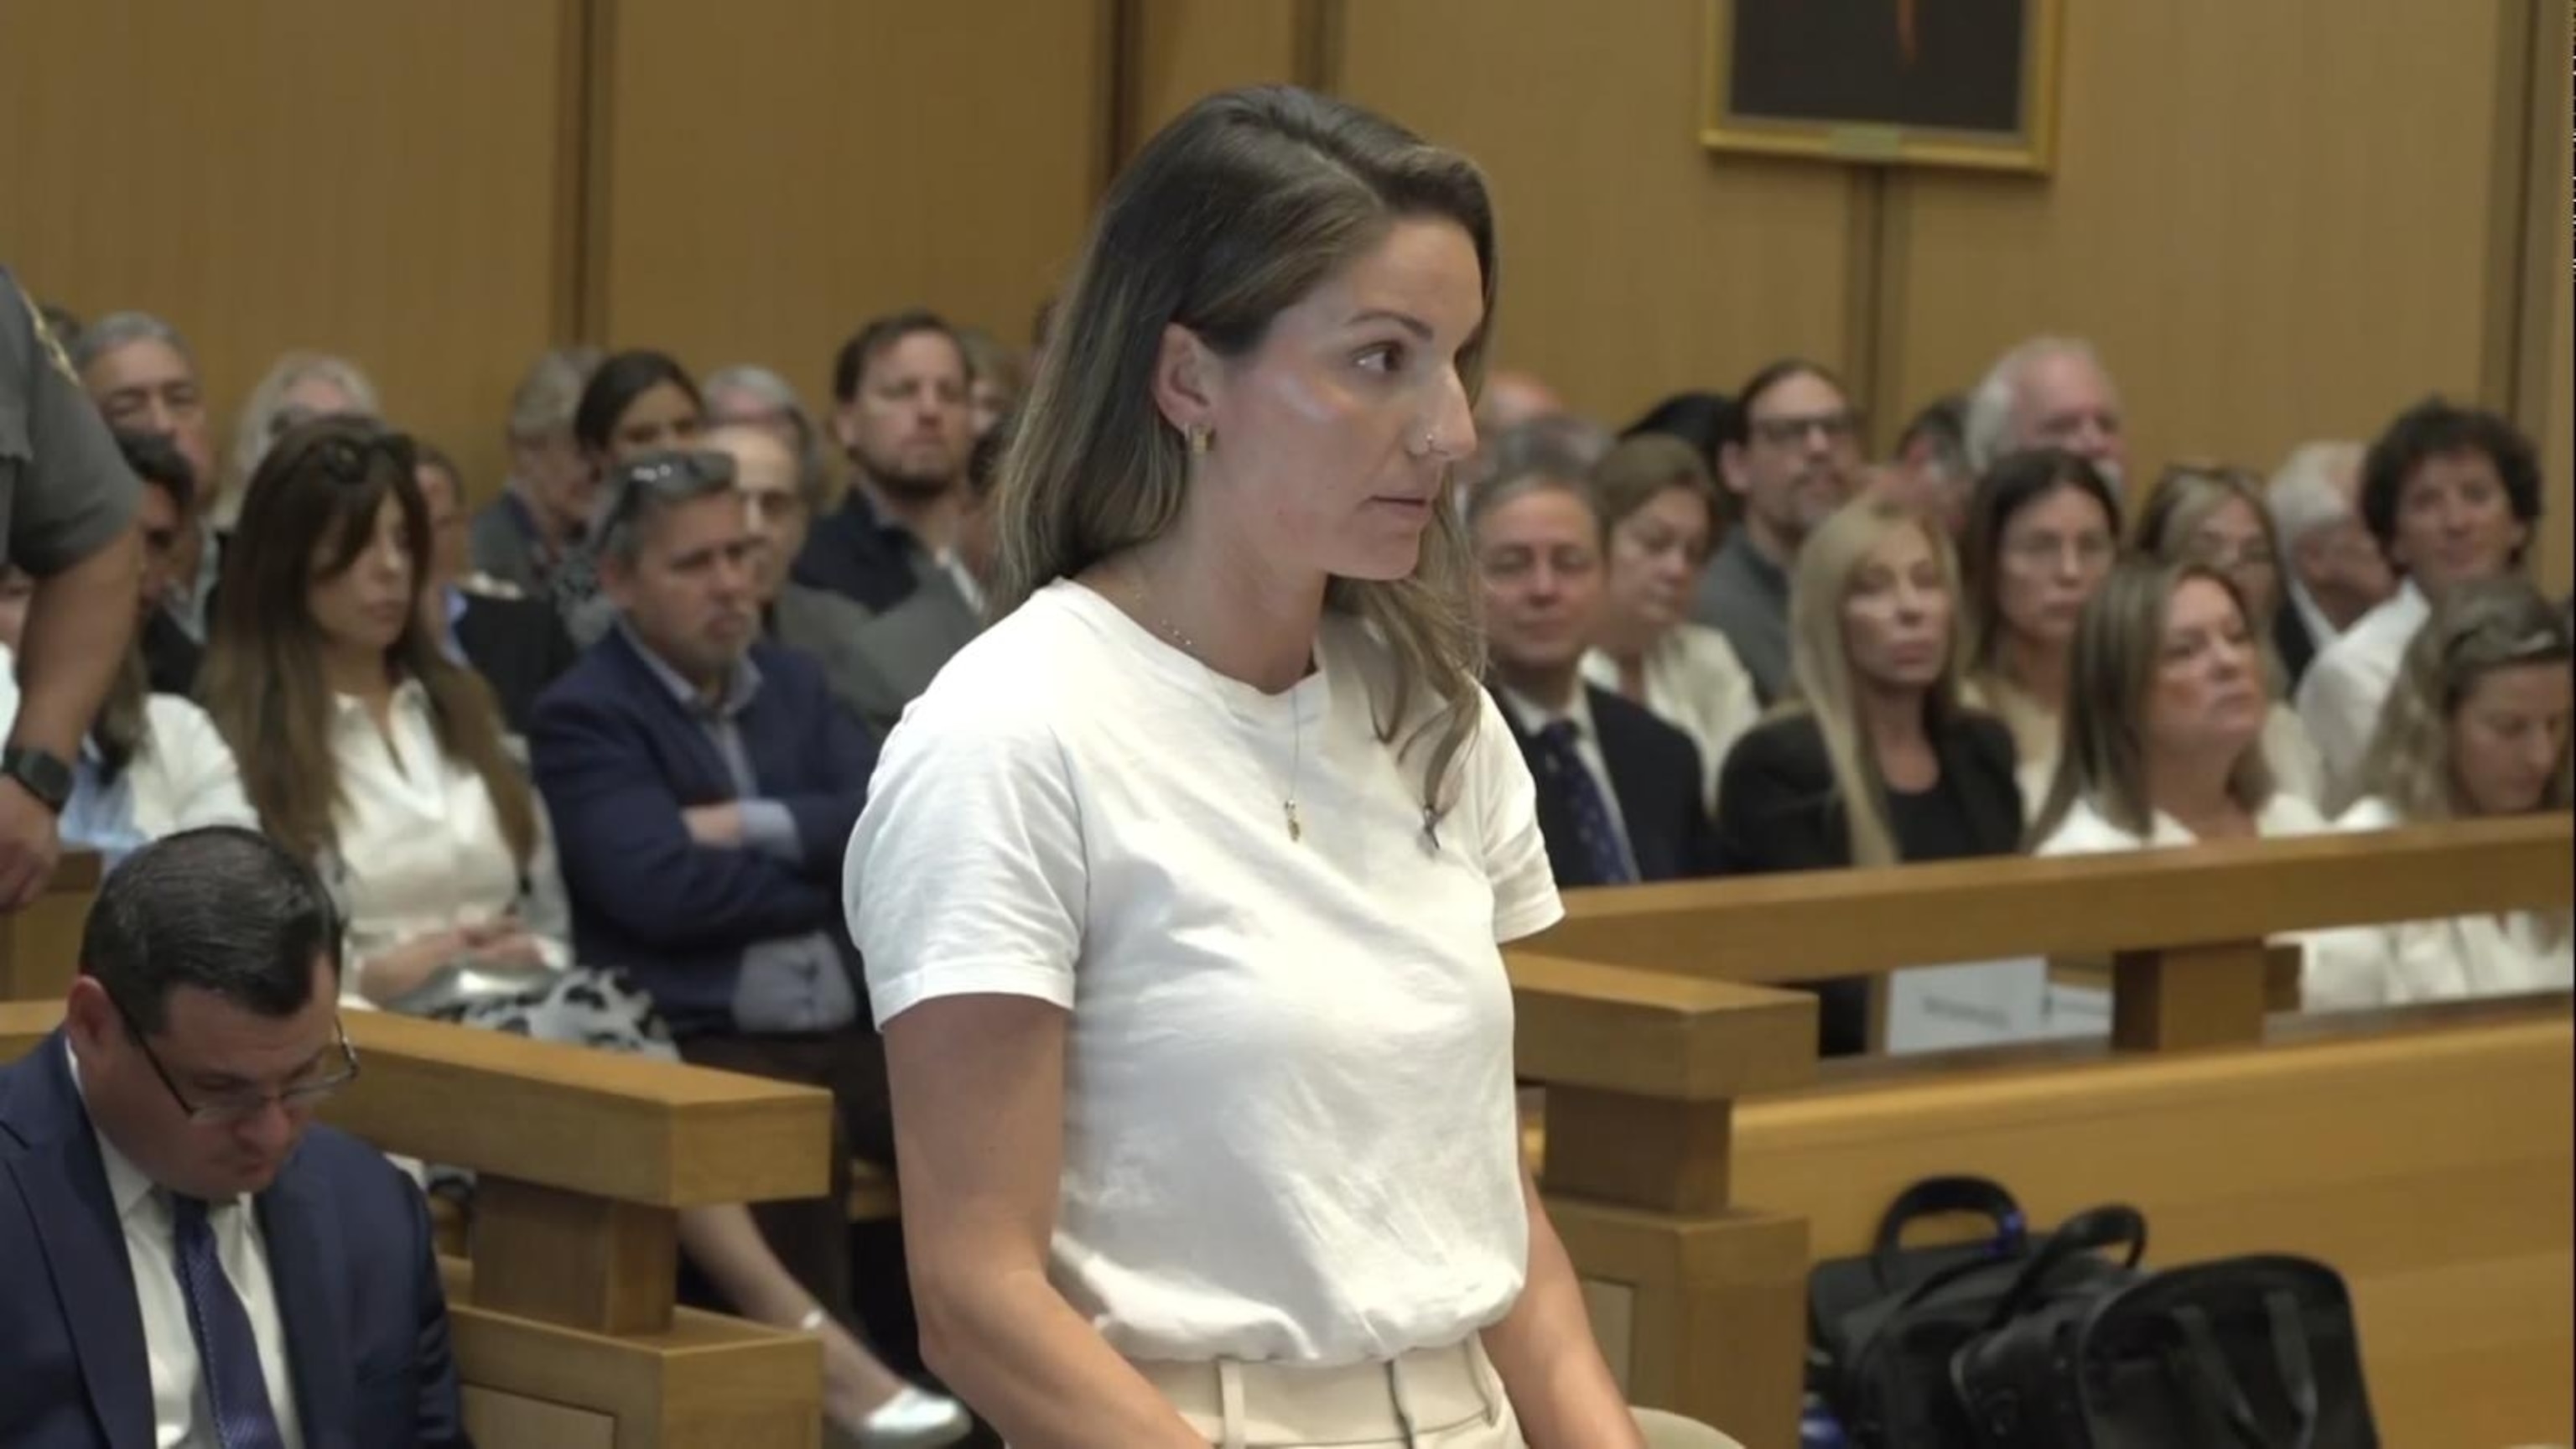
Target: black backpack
{"x":1884,"y":1328}
{"x":2243,"y":1353}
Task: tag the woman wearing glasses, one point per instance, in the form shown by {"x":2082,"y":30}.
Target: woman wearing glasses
{"x":380,"y":760}
{"x":2043,"y":529}
{"x":2215,"y":516}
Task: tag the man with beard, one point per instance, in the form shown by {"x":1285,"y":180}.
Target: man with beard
{"x":1793,"y":459}
{"x":901,"y":390}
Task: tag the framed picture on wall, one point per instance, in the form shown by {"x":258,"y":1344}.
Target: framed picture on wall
{"x":1890,"y":82}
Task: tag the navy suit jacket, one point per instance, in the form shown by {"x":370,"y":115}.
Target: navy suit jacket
{"x":348,"y":1252}
{"x":618,"y":758}
{"x":1654,"y":771}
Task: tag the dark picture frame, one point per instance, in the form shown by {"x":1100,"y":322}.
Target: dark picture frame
{"x":1964,"y":83}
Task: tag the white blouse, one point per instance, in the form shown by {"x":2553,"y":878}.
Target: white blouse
{"x":1289,"y":1128}
{"x":420,"y":844}
{"x":1695,"y":683}
{"x":2445,"y":960}
{"x":2086,"y":831}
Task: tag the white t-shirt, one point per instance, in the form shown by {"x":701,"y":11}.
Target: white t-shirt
{"x":1289,"y":1128}
{"x":2086,"y":831}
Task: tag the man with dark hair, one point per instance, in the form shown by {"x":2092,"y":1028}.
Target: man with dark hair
{"x":188,"y":1259}
{"x":2452,"y":495}
{"x":901,"y":390}
{"x":165,"y":515}
{"x":518,"y":644}
{"x":1793,"y":458}
{"x":1930,"y":473}
{"x":702,"y":783}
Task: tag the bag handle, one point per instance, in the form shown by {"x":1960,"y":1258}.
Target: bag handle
{"x":1934,"y":1196}
{"x":2206,"y":1375}
{"x":2109,"y":1226}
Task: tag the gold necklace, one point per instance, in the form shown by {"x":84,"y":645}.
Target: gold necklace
{"x":1296,"y":709}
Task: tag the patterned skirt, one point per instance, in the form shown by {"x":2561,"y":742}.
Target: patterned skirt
{"x":581,"y":1006}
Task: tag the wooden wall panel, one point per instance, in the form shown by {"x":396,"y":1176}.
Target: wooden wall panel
{"x":1179,"y":50}
{"x":781,"y":170}
{"x":379,"y":180}
{"x":1634,"y":262}
{"x":2548,"y":381}
{"x":2274,"y":219}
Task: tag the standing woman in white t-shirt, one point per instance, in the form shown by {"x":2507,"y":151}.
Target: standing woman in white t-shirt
{"x":1180,"y":891}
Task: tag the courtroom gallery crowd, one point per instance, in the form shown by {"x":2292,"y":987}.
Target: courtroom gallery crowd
{"x":582,"y":762}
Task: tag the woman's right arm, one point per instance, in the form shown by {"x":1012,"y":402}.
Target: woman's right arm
{"x":979,"y":1128}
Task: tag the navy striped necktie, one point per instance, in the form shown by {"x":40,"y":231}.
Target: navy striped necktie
{"x":227,"y":1350}
{"x":1596,"y":834}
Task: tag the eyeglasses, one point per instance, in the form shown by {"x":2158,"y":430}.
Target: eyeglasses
{"x":1841,"y":427}
{"x":228,"y":1108}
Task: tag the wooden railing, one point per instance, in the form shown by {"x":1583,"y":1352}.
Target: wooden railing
{"x":1684,"y":1231}
{"x":566,"y":1333}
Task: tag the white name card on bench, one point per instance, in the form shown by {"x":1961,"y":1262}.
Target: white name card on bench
{"x":1981,"y":1003}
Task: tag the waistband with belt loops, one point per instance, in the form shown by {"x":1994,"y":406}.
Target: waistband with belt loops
{"x":1249,"y":1405}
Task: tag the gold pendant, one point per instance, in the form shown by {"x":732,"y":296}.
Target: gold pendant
{"x":1295,"y":830}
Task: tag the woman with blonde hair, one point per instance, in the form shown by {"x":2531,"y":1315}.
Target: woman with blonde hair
{"x":2166,"y":699}
{"x":1662,"y":506}
{"x":1875,"y":761}
{"x":2477,"y":728}
{"x":1182,"y":887}
{"x":2215,"y":515}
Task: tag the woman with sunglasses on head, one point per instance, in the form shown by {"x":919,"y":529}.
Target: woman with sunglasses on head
{"x":2215,"y":515}
{"x":2476,"y":729}
{"x":373,"y":755}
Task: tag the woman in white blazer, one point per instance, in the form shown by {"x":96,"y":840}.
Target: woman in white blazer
{"x":2476,"y":727}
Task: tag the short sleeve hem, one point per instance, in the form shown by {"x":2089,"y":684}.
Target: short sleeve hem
{"x":1520,"y":922}
{"x":891,"y":997}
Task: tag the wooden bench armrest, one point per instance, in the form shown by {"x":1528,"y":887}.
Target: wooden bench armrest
{"x":1655,"y":1034}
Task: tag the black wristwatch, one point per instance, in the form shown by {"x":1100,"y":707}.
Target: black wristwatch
{"x":44,"y":775}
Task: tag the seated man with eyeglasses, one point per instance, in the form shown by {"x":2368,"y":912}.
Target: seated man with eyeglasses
{"x":1794,"y":459}
{"x":184,"y":1257}
{"x":703,"y":783}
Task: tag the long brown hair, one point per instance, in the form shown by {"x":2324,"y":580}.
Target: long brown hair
{"x":321,"y":488}
{"x":1246,"y":203}
{"x":2110,"y":680}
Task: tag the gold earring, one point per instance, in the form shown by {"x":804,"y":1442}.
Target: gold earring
{"x":1202,"y":438}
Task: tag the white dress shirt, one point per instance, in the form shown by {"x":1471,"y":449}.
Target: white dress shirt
{"x":1695,"y":683}
{"x":420,"y":845}
{"x":2341,"y":697}
{"x":182,"y":1416}
{"x":1533,"y":717}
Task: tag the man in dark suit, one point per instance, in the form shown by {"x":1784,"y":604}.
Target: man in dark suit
{"x":901,"y":410}
{"x":1619,"y":790}
{"x":185,"y":1258}
{"x":516,"y":643}
{"x":702,"y":784}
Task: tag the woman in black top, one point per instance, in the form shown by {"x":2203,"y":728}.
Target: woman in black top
{"x":1875,"y":762}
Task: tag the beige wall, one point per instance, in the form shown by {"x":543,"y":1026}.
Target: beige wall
{"x":778,"y":171}
{"x":380,"y":180}
{"x":2278,"y":219}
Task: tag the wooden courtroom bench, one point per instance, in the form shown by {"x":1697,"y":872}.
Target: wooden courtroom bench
{"x":565,"y":1330}
{"x":2235,"y":1129}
